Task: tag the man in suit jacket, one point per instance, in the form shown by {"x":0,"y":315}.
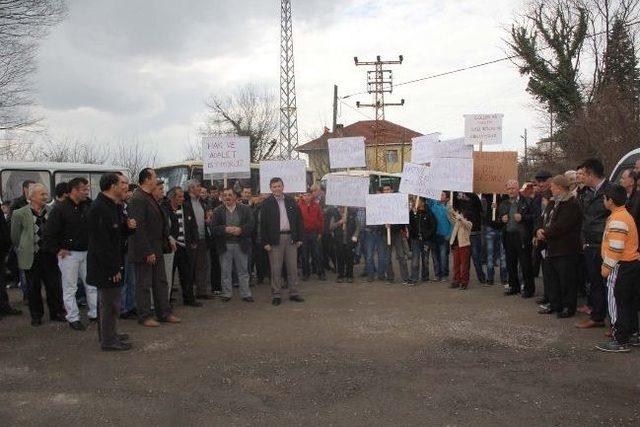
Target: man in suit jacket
{"x":233,"y":227}
{"x":105,"y":260}
{"x":39,"y":265}
{"x":146,"y":249}
{"x":196,"y":207}
{"x":281,"y":233}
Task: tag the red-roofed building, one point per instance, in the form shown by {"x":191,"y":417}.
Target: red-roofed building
{"x":394,"y":140}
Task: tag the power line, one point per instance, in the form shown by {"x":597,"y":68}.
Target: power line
{"x":484,"y":64}
{"x":356,"y":110}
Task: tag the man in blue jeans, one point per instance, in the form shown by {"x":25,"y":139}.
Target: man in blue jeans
{"x":443,"y":233}
{"x":375,"y":243}
{"x":493,"y":239}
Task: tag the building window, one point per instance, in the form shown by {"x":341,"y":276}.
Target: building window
{"x":392,"y":156}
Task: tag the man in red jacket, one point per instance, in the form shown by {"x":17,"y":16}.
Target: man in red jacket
{"x":313,"y":224}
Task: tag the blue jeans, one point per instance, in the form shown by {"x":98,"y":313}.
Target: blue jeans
{"x":476,"y":255}
{"x":375,"y":243}
{"x":442,"y":245}
{"x":128,"y":288}
{"x":495,"y":251}
{"x":420,"y":251}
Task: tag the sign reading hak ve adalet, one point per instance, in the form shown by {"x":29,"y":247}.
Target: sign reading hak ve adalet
{"x":387,"y":209}
{"x":485,"y":129}
{"x":292,"y":172}
{"x":492,"y":170}
{"x":344,"y":190}
{"x":225,"y":154}
{"x":347,"y":152}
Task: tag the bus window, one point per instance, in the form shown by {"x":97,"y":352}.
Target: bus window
{"x":94,"y":183}
{"x":173,"y":176}
{"x":12,"y":180}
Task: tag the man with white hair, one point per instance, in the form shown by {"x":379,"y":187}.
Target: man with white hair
{"x":38,"y":264}
{"x":194,"y":206}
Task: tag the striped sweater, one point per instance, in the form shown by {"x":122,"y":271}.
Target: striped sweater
{"x":620,"y":240}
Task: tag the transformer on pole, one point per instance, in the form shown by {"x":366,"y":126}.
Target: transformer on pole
{"x":288,"y":110}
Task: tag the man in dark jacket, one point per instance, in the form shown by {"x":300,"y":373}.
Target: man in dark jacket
{"x":562,"y":246}
{"x":146,"y":249}
{"x":594,"y":219}
{"x":196,"y":206}
{"x":105,"y":260}
{"x":66,"y":234}
{"x":233,"y":227}
{"x":20,"y":202}
{"x":493,"y":236}
{"x":542,"y":180}
{"x":515,"y":213}
{"x":422,"y":234}
{"x":281,"y":233}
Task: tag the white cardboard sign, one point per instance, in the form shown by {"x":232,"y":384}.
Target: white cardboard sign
{"x":426,"y":151}
{"x":344,"y":190}
{"x":292,"y":172}
{"x":485,"y":129}
{"x":390,"y":208}
{"x":347,"y":152}
{"x":226,"y":154}
{"x":443,"y":174}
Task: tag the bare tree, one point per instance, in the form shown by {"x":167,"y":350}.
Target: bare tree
{"x":134,"y":156}
{"x":249,"y":111}
{"x":22,"y":24}
{"x":72,"y":150}
{"x":193,"y":150}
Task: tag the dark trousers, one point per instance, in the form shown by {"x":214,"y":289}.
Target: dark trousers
{"x":216,"y":273}
{"x":152,"y":279}
{"x":624,"y":296}
{"x":328,"y":251}
{"x":546,"y":277}
{"x":562,"y":282}
{"x":311,"y":252}
{"x":261,"y":261}
{"x":597,"y":288}
{"x":344,"y":259}
{"x":44,"y":270}
{"x":109,"y":300}
{"x":184,"y":264}
{"x":518,"y":253}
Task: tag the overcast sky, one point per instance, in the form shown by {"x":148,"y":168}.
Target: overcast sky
{"x":123,"y":69}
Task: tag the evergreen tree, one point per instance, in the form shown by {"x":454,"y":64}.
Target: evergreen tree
{"x":621,"y":73}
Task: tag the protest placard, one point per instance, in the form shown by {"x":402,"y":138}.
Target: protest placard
{"x":425,"y":150}
{"x":292,"y":172}
{"x":419,"y":147}
{"x":483,"y":129}
{"x":417,"y":180}
{"x":344,"y":190}
{"x":390,"y":208}
{"x":347,"y":152}
{"x":226,"y":154}
{"x":442,"y":174}
{"x":492,"y":170}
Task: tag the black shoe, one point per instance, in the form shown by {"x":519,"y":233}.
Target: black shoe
{"x":547,"y":310}
{"x":123,"y":346}
{"x":248,"y":299}
{"x":305,"y":278}
{"x":10,"y":311}
{"x":123,"y":337}
{"x":323,"y":277}
{"x":128,"y":315}
{"x":511,"y":292}
{"x":193,"y":304}
{"x":296,"y":298}
{"x":565,"y":314}
{"x":542,"y":300}
{"x":204,"y":297}
{"x":93,"y":319}
{"x":276,"y":301}
{"x":36,"y":322}
{"x":527,"y":295}
{"x":57,"y":318}
{"x":225,"y":299}
{"x":77,"y":326}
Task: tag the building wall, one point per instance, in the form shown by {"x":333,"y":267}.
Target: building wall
{"x":396,"y":156}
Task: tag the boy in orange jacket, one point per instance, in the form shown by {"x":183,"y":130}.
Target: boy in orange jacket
{"x":621,"y":269}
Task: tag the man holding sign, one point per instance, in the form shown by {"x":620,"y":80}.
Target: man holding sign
{"x":281,"y":231}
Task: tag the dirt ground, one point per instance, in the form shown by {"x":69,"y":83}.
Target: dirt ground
{"x":353,"y":354}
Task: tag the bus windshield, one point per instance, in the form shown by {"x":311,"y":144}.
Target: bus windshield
{"x":173,"y":176}
{"x":12,"y":181}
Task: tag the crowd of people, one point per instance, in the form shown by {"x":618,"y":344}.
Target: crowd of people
{"x":122,"y":253}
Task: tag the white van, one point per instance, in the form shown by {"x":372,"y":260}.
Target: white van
{"x":628,"y":161}
{"x":13,"y":174}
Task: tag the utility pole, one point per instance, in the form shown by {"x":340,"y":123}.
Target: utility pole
{"x":288,"y":109}
{"x":379,"y":82}
{"x":335,"y":108}
{"x":526,"y":155}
